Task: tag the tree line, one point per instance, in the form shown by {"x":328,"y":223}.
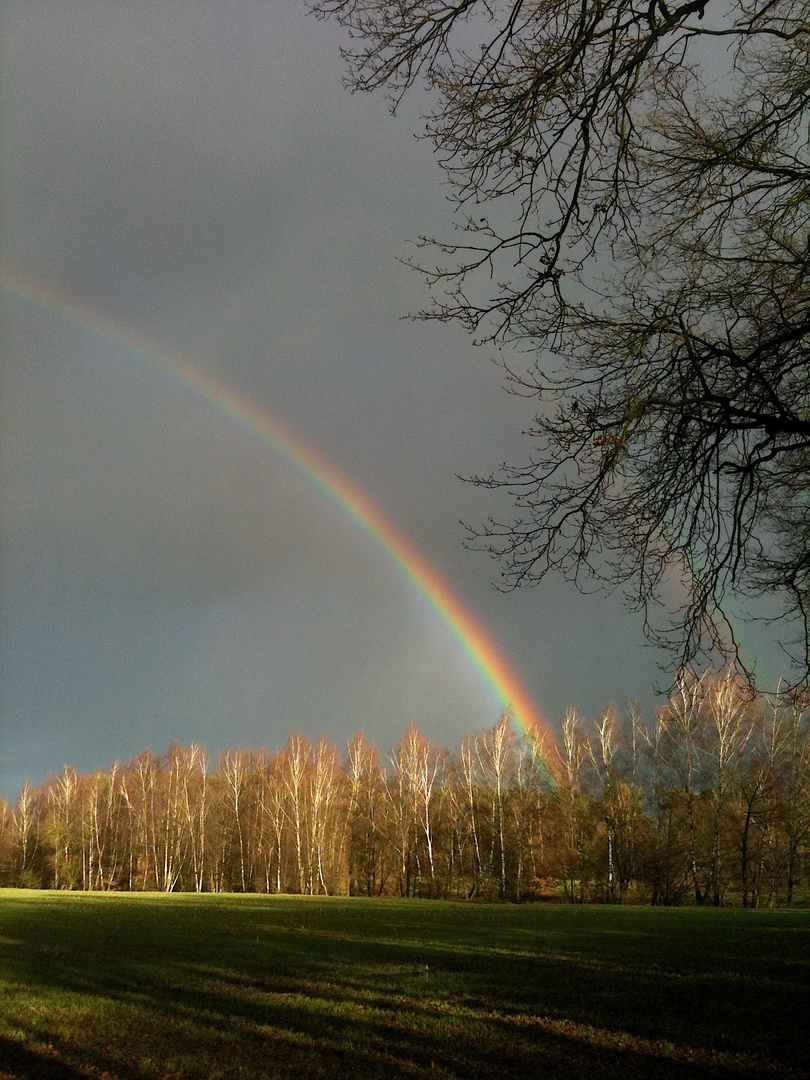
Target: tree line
{"x":707,"y":804}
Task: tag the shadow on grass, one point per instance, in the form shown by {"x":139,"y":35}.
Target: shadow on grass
{"x":223,"y":1024}
{"x":193,"y":990}
{"x":23,"y":1064}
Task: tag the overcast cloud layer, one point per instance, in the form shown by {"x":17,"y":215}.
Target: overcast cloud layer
{"x":196,"y":172}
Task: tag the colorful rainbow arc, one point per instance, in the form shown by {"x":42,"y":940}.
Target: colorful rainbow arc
{"x":275,"y":435}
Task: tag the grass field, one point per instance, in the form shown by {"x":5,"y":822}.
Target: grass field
{"x":253,"y":986}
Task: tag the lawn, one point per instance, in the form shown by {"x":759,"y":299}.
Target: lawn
{"x":253,"y":986}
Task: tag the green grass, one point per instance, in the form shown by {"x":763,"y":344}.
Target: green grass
{"x":252,"y":986}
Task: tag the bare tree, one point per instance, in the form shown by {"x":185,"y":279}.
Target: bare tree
{"x":725,"y":817}
{"x":235,"y":768}
{"x":365,"y":818}
{"x":529,"y":777}
{"x":638,"y":227}
{"x":795,"y":785}
{"x":142,"y":794}
{"x":62,"y":796}
{"x":273,"y":803}
{"x":602,"y":760}
{"x":26,"y":835}
{"x":409,"y":792}
{"x":729,"y":731}
{"x":685,"y":716}
{"x":323,"y":797}
{"x":496,"y":752}
{"x":426,"y":770}
{"x":6,"y":828}
{"x":469,"y":760}
{"x":194,"y":805}
{"x":755,"y":791}
{"x":538,"y":752}
{"x":169,"y":824}
{"x":568,"y":796}
{"x":297,"y":759}
{"x":105,"y":826}
{"x":669,"y":868}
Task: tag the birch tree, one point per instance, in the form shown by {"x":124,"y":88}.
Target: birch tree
{"x":62,"y":797}
{"x":324,"y":839}
{"x":729,"y":733}
{"x":297,"y":757}
{"x":26,"y":835}
{"x":571,"y":757}
{"x":497,"y":758}
{"x":236,"y":771}
{"x":366,"y":824}
{"x":469,"y":759}
{"x":684,"y":715}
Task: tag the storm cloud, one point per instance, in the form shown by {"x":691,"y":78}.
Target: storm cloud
{"x":198,"y":174}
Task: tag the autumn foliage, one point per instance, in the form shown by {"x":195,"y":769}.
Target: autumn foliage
{"x":708,"y":804}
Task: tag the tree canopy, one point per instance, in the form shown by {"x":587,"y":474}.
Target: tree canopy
{"x":709,"y":803}
{"x":630,"y":183}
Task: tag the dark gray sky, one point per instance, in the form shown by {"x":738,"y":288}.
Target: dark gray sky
{"x":197,"y":173}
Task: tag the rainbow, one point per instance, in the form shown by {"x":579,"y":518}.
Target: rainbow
{"x":274,"y":434}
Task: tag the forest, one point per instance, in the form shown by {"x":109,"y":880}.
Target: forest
{"x":707,"y":804}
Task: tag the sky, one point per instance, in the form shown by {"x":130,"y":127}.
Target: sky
{"x":192,"y":182}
